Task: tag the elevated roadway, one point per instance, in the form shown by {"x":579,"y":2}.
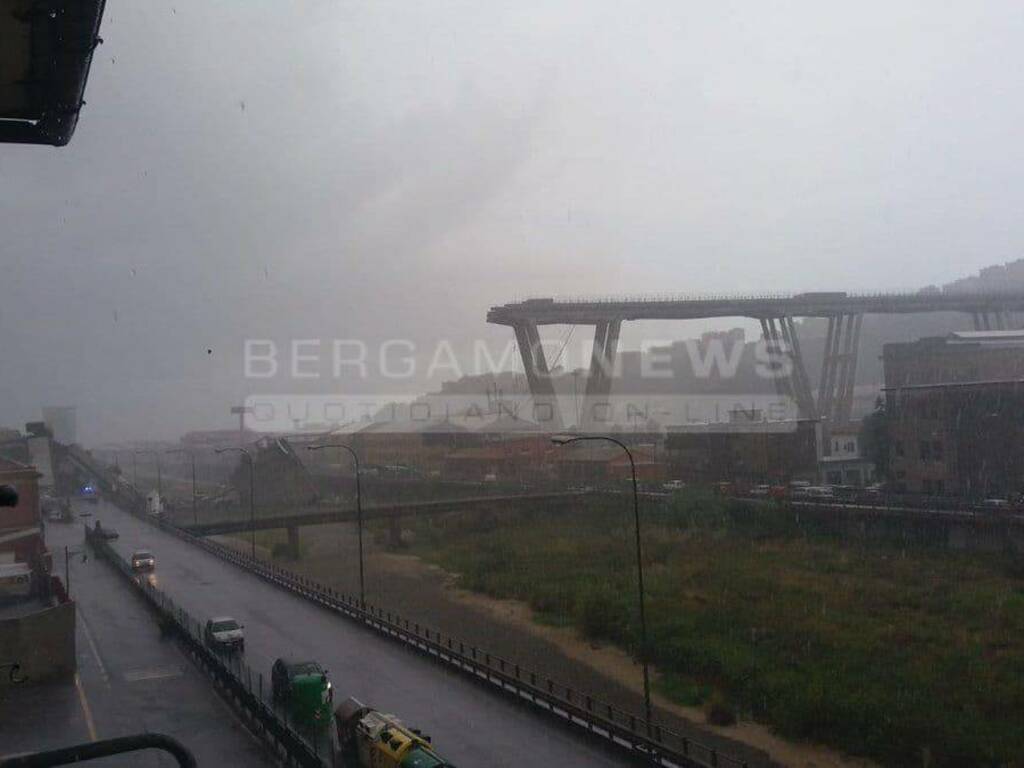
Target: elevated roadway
{"x":237,"y":519}
{"x":829,"y":399}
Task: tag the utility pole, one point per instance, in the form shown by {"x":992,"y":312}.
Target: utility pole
{"x":359,"y":511}
{"x":252,"y":492}
{"x":192,"y":456}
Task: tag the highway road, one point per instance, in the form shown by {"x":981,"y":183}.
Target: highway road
{"x":470,"y":725}
{"x":129,"y":681}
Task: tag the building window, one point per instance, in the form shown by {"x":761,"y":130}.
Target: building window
{"x":926,"y":485}
{"x":899,"y":448}
{"x":851,"y":446}
{"x":940,"y":487}
{"x":937,"y":450}
{"x":925,"y":449}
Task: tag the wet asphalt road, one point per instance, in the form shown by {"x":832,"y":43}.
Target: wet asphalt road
{"x":130,"y":680}
{"x":470,"y":725}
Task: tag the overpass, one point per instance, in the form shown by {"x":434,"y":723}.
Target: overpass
{"x":297,"y":518}
{"x":844,"y":312}
{"x":237,"y":520}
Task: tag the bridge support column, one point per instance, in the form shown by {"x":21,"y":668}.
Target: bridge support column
{"x":997,"y":320}
{"x":602,"y":370}
{"x":538,"y":377}
{"x":780,"y":334}
{"x":838,"y":373}
{"x":801,"y":384}
{"x":294,"y":550}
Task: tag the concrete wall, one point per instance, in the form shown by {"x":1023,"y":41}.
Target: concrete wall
{"x":43,"y":643}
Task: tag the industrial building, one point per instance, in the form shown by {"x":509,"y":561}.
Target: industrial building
{"x":955,"y":414}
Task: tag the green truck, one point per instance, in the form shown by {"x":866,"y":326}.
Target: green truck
{"x":303,"y":688}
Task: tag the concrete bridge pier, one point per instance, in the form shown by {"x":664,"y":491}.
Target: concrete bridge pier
{"x":538,"y":377}
{"x":602,"y":370}
{"x":998,"y":320}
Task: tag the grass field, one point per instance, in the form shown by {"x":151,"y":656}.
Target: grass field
{"x":908,"y":656}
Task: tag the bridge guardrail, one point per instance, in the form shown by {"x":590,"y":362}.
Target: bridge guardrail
{"x":230,"y":674}
{"x":664,"y":747}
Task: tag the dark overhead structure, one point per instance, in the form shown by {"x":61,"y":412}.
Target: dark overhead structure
{"x":46,"y":48}
{"x":844,"y":312}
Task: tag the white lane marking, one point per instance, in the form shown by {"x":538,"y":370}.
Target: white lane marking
{"x":92,"y":644}
{"x":154,"y":673}
{"x":85,"y":708}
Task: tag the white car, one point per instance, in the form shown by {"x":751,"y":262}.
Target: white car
{"x":225,"y":634}
{"x":819,"y":493}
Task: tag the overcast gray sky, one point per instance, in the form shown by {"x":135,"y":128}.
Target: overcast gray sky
{"x":272,"y":169}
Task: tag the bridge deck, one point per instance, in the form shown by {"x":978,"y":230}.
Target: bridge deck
{"x":551,"y":311}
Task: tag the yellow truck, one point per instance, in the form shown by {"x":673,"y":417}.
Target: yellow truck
{"x":372,"y":739}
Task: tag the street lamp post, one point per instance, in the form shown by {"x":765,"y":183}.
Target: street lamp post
{"x":639,"y":563}
{"x":192,"y":457}
{"x":252,"y":492}
{"x":359,"y":511}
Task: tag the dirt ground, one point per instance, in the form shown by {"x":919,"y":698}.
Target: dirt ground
{"x":428,"y":595}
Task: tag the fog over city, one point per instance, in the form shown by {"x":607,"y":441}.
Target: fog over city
{"x":380,"y":171}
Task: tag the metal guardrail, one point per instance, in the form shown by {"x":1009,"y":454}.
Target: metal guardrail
{"x":233,"y":677}
{"x":663,"y":746}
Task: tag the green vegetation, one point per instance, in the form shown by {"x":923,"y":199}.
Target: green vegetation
{"x":908,"y":656}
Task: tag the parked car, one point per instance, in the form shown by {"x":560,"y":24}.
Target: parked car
{"x":761,"y":490}
{"x":798,"y":488}
{"x":1002,"y":504}
{"x":143,"y":560}
{"x":224,"y":634}
{"x":819,"y":493}
{"x":673,"y":485}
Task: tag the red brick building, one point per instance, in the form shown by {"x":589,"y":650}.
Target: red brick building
{"x":21,"y":533}
{"x":745,"y":453}
{"x":955,"y":414}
